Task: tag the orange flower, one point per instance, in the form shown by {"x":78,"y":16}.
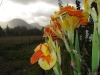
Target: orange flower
{"x":81,"y":15}
{"x":84,"y":18}
{"x":54,"y":29}
{"x":45,"y":58}
{"x":52,"y":18}
{"x":70,"y":19}
{"x":70,"y":10}
{"x":48,"y":32}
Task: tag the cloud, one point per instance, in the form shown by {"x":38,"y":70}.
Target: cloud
{"x":23,"y":1}
{"x":31,"y":10}
{"x":42,"y":20}
{"x":34,"y":1}
{"x":54,"y":2}
{"x":43,"y":12}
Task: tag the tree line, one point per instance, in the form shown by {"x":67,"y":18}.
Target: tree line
{"x":20,"y":31}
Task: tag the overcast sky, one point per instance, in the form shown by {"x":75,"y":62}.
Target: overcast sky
{"x":30,"y":10}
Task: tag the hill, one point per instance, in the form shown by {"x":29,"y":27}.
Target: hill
{"x":19,"y":22}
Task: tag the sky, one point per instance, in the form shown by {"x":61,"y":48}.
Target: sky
{"x":30,"y":10}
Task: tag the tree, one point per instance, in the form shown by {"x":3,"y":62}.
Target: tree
{"x":37,"y":32}
{"x":24,"y":30}
{"x":2,"y":33}
{"x":7,"y":30}
{"x":31,"y":31}
{"x":17,"y":31}
{"x":20,"y":30}
{"x":78,"y":4}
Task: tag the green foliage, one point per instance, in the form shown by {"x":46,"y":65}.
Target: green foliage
{"x":16,"y":62}
{"x":78,"y":4}
{"x":2,"y":33}
{"x":77,"y":55}
{"x":8,"y":43}
{"x":20,"y":31}
{"x":95,"y":50}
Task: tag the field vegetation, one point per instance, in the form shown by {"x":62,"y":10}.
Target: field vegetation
{"x":16,"y":42}
{"x":15,"y":53}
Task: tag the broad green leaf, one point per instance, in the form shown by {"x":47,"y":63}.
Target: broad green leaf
{"x":99,"y":41}
{"x":56,"y":70}
{"x":95,"y":49}
{"x":77,"y":57}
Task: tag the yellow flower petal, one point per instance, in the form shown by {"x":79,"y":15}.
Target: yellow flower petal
{"x":44,"y":64}
{"x":45,"y":49}
{"x":86,"y":4}
{"x":37,"y":48}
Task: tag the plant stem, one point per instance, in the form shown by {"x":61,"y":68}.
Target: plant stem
{"x":69,"y":49}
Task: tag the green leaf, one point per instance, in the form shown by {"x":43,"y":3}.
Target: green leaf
{"x":77,"y":43}
{"x":77,"y":55}
{"x":56,"y":70}
{"x":99,"y":40}
{"x":95,"y":49}
{"x":58,"y":53}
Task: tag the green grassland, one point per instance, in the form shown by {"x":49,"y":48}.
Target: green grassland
{"x":15,"y":53}
{"x":17,"y":42}
{"x":17,"y":62}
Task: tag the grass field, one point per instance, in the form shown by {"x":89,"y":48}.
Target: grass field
{"x":16,"y":42}
{"x":15,"y":53}
{"x":16,"y":61}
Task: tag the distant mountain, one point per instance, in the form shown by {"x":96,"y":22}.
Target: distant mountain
{"x":19,"y":22}
{"x":36,"y":25}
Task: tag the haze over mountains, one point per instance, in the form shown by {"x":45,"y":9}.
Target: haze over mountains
{"x":19,"y":22}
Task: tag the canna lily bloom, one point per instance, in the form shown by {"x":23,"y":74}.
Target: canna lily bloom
{"x":70,"y":10}
{"x":45,"y":58}
{"x":56,"y":26}
{"x":48,"y":32}
{"x":71,"y":19}
{"x":83,"y":19}
{"x":54,"y":29}
{"x":71,"y":22}
{"x":48,"y":29}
